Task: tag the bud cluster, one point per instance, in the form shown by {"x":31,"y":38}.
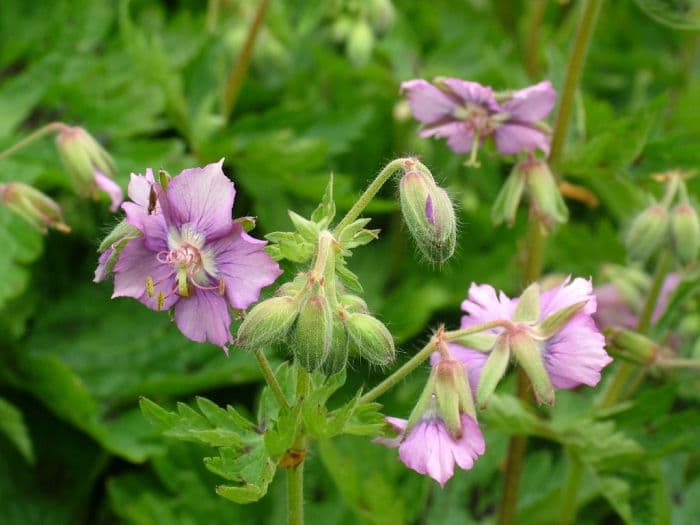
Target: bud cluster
{"x":33,"y":206}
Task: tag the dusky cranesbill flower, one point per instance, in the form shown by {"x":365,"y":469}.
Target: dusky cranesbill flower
{"x":191,"y":256}
{"x":465,"y":113}
{"x":442,"y":430}
{"x":550,"y":333}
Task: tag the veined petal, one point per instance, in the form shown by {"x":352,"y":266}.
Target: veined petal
{"x":427,"y":102}
{"x":136,"y":264}
{"x":471,"y":445}
{"x":472,"y":92}
{"x":101,"y":270}
{"x":513,"y":137}
{"x":204,"y":316}
{"x":483,"y":304}
{"x":111,"y":188}
{"x":568,"y":294}
{"x":202,"y":198}
{"x":244,"y":265}
{"x":532,"y":103}
{"x":139,"y":191}
{"x":459,"y":135}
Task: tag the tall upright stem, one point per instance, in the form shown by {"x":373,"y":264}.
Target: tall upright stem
{"x":234,"y":82}
{"x":370,"y":192}
{"x":295,"y":494}
{"x":33,"y":137}
{"x":577,"y":59}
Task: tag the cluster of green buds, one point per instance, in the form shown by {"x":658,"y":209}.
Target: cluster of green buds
{"x":357,"y":22}
{"x":546,"y":202}
{"x":33,"y":206}
{"x":673,"y":219}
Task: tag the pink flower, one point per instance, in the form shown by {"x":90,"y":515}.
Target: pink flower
{"x":430,"y":449}
{"x":192,"y":256}
{"x":571,"y":354}
{"x":465,"y":113}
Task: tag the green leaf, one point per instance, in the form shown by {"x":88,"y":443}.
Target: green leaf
{"x":13,"y":426}
{"x":325,"y":212}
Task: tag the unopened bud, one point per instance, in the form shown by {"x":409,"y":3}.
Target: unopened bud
{"x":33,"y":206}
{"x":82,"y":155}
{"x":269,"y":322}
{"x":429,"y":215}
{"x":360,"y":43}
{"x":506,"y":204}
{"x":354,"y":304}
{"x":370,"y":339}
{"x":493,"y":371}
{"x":529,"y":357}
{"x":685,"y":229}
{"x":545,"y":196}
{"x":646,"y":233}
{"x":338,"y":354}
{"x":631,"y":346}
{"x":313,"y":332}
{"x":111,"y":248}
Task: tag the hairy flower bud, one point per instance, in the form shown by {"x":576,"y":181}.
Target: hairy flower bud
{"x":370,"y":339}
{"x":631,"y":346}
{"x":685,"y":230}
{"x":338,"y":354}
{"x":269,"y":322}
{"x":354,"y":304}
{"x":33,"y":206}
{"x":647,"y":232}
{"x":545,"y":196}
{"x":313,"y":332}
{"x":429,"y":215}
{"x":82,"y":155}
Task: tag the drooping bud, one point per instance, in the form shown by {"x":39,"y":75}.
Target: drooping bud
{"x":685,"y":231}
{"x":269,"y":322}
{"x":545,"y":196}
{"x":647,"y":233}
{"x":82,"y":155}
{"x":631,"y":346}
{"x":493,"y":371}
{"x":313,"y":332}
{"x":370,"y":339}
{"x":429,"y":215}
{"x":506,"y":204}
{"x":33,"y":206}
{"x":529,"y":357}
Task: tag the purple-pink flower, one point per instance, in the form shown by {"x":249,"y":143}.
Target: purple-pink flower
{"x":430,"y":449}
{"x":573,"y":355}
{"x":465,"y":113}
{"x":191,"y":256}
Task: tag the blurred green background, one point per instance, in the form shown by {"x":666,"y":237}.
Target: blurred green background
{"x":146,"y":78}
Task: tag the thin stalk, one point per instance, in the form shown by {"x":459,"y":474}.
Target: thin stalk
{"x":33,"y":137}
{"x":379,"y":181}
{"x":418,"y":359}
{"x":577,"y":59}
{"x":212,"y":15}
{"x":234,"y":82}
{"x":532,"y":59}
{"x":678,"y":363}
{"x":270,"y":378}
{"x":570,"y":496}
{"x":295,"y":495}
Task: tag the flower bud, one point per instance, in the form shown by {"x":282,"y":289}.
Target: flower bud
{"x":429,"y":215}
{"x":370,"y":339}
{"x":82,"y":156}
{"x":360,"y":43}
{"x":111,"y":248}
{"x":33,"y":206}
{"x":354,"y":304}
{"x":631,"y":346}
{"x":529,"y":357}
{"x":313,"y":332}
{"x":506,"y":204}
{"x":269,"y":322}
{"x":685,"y":230}
{"x":545,"y":196}
{"x":338,"y":355}
{"x":646,"y":233}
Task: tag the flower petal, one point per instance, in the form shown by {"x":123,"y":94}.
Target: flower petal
{"x":532,"y":103}
{"x":568,"y":294}
{"x":471,"y":445}
{"x":244,"y":265}
{"x":459,"y":135}
{"x":101,"y":270}
{"x":136,"y":264}
{"x":204,"y":316}
{"x":427,"y":102}
{"x":111,"y":188}
{"x":472,"y":92}
{"x":483,"y":304}
{"x":202,"y":198}
{"x":513,"y":138}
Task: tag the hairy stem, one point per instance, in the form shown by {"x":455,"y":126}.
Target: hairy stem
{"x":577,"y":59}
{"x":370,"y":192}
{"x":33,"y":137}
{"x":270,"y":378}
{"x":295,"y":494}
{"x":234,"y":82}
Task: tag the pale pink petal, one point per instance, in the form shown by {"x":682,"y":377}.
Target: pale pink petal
{"x":568,"y":294}
{"x":244,"y":265}
{"x":532,"y":103}
{"x":459,"y":135}
{"x":669,"y":286}
{"x":512,"y":138}
{"x":202,"y":198}
{"x":472,"y":92}
{"x":612,"y":309}
{"x":111,"y":188}
{"x":204,"y":316}
{"x":136,"y":264}
{"x":473,"y":362}
{"x":101,"y":270}
{"x":471,"y":445}
{"x":427,"y":102}
{"x":483,"y":304}
{"x":140,"y":194}
{"x":399,"y":425}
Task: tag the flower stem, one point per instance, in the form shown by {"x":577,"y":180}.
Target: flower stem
{"x":577,"y":59}
{"x":33,"y":137}
{"x":532,"y":59}
{"x":295,"y":494}
{"x":384,"y":175}
{"x":573,"y":484}
{"x":270,"y":378}
{"x":234,"y":82}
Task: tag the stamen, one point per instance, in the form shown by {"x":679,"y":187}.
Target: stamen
{"x":150,"y":286}
{"x":222,"y":286}
{"x":182,"y":287}
{"x":161,"y":300}
{"x":473,"y":162}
